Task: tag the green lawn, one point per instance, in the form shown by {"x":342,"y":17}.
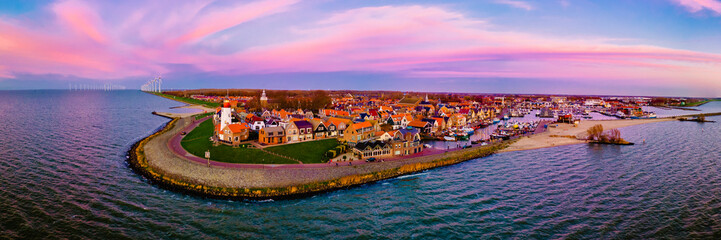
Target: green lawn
{"x":197,"y":142}
{"x":306,"y":152}
{"x":190,"y":100}
{"x":699,"y":103}
{"x":202,"y":115}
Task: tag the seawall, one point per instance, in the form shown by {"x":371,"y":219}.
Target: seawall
{"x":147,"y":158}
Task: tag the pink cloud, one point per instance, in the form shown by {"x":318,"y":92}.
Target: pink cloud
{"x":412,"y":41}
{"x":226,"y":18}
{"x":698,"y":5}
{"x":416,"y":41}
{"x":80,"y":18}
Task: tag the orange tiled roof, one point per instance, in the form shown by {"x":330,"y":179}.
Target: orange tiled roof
{"x":362,"y":125}
{"x":236,"y":128}
{"x":417,"y":124}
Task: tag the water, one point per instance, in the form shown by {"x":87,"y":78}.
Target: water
{"x":63,"y":174}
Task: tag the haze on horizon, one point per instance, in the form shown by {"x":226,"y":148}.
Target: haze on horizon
{"x":655,"y":48}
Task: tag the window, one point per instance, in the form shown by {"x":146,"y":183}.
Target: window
{"x":236,"y":139}
{"x":302,"y":131}
{"x":270,"y":134}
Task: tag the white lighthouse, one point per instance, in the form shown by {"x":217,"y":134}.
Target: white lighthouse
{"x":225,"y":115}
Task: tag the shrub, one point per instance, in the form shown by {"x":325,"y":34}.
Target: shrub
{"x":595,"y":132}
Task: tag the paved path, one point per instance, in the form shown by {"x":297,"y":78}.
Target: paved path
{"x":175,"y":146}
{"x":166,"y":156}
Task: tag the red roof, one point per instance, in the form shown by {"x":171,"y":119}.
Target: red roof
{"x":237,"y":128}
{"x":417,"y":124}
{"x":362,"y":125}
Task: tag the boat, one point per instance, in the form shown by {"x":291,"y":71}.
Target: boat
{"x":462,"y":136}
{"x":449,"y":138}
{"x":468,"y":130}
{"x":620,"y":114}
{"x":496,"y":120}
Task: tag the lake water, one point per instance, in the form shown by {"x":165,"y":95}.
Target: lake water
{"x":63,"y":174}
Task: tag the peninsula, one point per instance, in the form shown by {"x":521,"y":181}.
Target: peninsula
{"x":248,"y":147}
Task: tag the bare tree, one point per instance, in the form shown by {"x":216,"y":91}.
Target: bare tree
{"x":615,"y":136}
{"x":595,"y":132}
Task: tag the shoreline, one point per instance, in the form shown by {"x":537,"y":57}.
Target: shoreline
{"x":201,"y":109}
{"x":561,"y":135}
{"x":344,"y":177}
{"x":152,"y":158}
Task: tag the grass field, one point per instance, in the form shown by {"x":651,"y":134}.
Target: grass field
{"x":306,"y":152}
{"x":199,"y":116}
{"x":190,"y":100}
{"x":696,"y":104}
{"x":197,"y":142}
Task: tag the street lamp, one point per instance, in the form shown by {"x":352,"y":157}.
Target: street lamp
{"x":207,"y":156}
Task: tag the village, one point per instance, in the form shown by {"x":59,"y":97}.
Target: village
{"x":375,"y":127}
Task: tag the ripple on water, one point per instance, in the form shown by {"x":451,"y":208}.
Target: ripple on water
{"x":63,"y":175}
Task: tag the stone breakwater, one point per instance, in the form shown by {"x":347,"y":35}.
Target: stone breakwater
{"x":152,"y":158}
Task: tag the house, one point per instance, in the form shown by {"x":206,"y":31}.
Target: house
{"x":256,"y":123}
{"x":320,"y":131}
{"x":358,"y":132}
{"x":299,"y":131}
{"x":423,"y":127}
{"x":233,"y":134}
{"x":406,"y":142}
{"x":271,"y":123}
{"x":375,"y":149}
{"x":399,"y":120}
{"x":271,"y":135}
{"x":435,"y":127}
{"x":331,"y":128}
{"x":309,"y":114}
{"x":340,"y":125}
{"x":266,"y":114}
{"x":441,"y":123}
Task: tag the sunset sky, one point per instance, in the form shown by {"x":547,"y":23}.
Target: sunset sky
{"x":640,"y":47}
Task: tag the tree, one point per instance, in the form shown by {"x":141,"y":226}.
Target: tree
{"x":595,"y":132}
{"x":319,"y":100}
{"x":615,"y":136}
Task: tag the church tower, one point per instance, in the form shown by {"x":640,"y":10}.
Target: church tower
{"x":263,"y":100}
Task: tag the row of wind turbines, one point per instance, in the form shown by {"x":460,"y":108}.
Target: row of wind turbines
{"x":153,"y":85}
{"x":85,"y":87}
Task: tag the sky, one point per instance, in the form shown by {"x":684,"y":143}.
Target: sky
{"x":624,"y":47}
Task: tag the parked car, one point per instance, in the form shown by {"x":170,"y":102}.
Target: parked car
{"x":371,"y":159}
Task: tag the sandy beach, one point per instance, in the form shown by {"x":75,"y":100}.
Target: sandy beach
{"x":564,"y":133}
{"x":183,"y":115}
